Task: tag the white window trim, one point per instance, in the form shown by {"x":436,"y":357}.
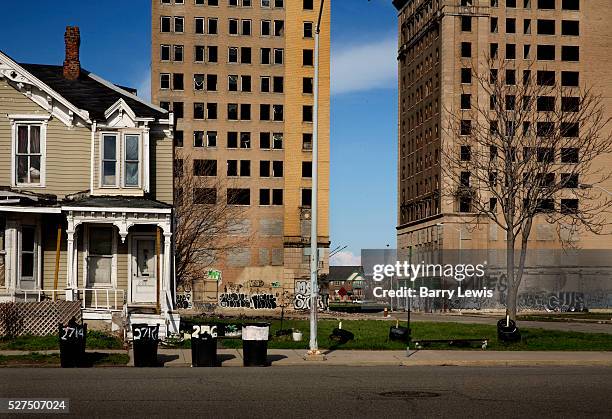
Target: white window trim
{"x":101,"y":184}
{"x":42,"y":121}
{"x":86,"y":279}
{"x":124,"y":160}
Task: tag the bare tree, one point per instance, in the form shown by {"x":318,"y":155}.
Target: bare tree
{"x":529,"y":153}
{"x":207,"y":219}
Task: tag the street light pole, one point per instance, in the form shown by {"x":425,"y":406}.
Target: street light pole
{"x":314,"y":250}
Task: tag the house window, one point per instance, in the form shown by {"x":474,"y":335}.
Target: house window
{"x":307,"y":169}
{"x":277,"y":141}
{"x":132,"y":160}
{"x":279,"y":27}
{"x":100,"y":256}
{"x":109,"y":160}
{"x":278,"y":55}
{"x":308,"y":30}
{"x":165,"y":52}
{"x":199,"y":25}
{"x":179,"y":24}
{"x":307,"y":85}
{"x":307,"y":113}
{"x":213,"y":26}
{"x":28,"y":154}
{"x":306,"y":197}
{"x":239,"y":196}
{"x":306,"y":141}
{"x":245,"y":83}
{"x":265,"y":84}
{"x":205,"y":196}
{"x":165,"y":24}
{"x":308,"y":57}
{"x":266,"y":28}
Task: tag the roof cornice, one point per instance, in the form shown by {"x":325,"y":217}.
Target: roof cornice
{"x":12,"y":71}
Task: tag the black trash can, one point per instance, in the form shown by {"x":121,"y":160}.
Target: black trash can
{"x":255,"y":344}
{"x":72,"y":341}
{"x":507,"y":331}
{"x":204,"y":346}
{"x":400,"y":333}
{"x":145,"y":341}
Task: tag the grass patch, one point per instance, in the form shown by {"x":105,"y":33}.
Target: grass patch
{"x":53,"y":360}
{"x":373,"y":335}
{"x":95,"y":340}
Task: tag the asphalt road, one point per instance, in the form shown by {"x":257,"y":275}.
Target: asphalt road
{"x":318,"y":392}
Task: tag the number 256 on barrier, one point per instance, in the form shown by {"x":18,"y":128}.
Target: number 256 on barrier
{"x":197,"y":330}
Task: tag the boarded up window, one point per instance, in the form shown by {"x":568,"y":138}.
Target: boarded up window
{"x":264,"y":257}
{"x":270,"y":227}
{"x":238,"y":258}
{"x":277,"y":257}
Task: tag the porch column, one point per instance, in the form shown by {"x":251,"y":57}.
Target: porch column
{"x":168,"y":304}
{"x":70,"y":289}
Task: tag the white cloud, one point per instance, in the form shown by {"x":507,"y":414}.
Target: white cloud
{"x":144,"y":86}
{"x":364,"y":66}
{"x":345,"y":258}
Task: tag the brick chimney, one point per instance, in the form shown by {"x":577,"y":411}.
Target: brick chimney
{"x":72,"y":65}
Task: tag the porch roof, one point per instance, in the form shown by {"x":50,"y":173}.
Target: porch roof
{"x":117,"y":203}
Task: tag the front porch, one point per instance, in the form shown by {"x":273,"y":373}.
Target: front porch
{"x":113,"y":255}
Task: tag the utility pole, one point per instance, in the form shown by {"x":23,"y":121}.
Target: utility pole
{"x":314,"y":248}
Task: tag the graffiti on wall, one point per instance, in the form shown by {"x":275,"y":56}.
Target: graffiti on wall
{"x":239,"y":296}
{"x":564,"y":298}
{"x":301,"y":298}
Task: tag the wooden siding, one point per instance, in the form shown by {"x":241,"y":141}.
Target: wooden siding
{"x":68,"y":148}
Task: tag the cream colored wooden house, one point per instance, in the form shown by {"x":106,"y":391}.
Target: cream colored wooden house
{"x":86,"y":193}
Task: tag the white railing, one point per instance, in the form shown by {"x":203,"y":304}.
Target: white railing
{"x":39,"y":295}
{"x":102,"y":298}
{"x":106,"y":299}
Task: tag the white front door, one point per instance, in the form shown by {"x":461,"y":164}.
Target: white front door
{"x":144,"y":270}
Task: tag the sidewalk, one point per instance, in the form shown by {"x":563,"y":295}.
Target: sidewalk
{"x":291,"y":357}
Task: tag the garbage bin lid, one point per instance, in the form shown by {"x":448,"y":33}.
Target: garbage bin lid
{"x":257,"y":324}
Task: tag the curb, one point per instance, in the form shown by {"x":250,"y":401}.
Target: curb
{"x":511,"y":363}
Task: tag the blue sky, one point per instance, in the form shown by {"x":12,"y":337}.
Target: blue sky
{"x":116,"y":45}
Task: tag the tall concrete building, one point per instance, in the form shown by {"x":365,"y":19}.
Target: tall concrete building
{"x":440,"y":41}
{"x":238,"y":75}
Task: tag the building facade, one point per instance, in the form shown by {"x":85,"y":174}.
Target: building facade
{"x":238,"y":75}
{"x":86,"y":193}
{"x":443,"y":42}
{"x":439,"y":39}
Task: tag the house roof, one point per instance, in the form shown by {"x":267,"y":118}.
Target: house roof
{"x":116,"y":202}
{"x":399,"y":4}
{"x":342,"y":273}
{"x":92,"y":93}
